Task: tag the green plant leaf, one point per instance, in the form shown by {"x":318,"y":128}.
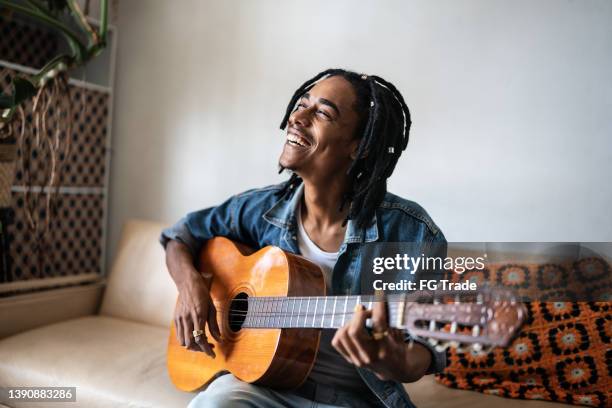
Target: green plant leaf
{"x":24,"y":89}
{"x":6,"y":101}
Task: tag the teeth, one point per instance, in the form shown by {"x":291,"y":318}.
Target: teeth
{"x":296,"y":139}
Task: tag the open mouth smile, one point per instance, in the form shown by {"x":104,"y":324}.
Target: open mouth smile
{"x":295,"y":139}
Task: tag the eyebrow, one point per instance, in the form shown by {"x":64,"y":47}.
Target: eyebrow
{"x":325,"y":102}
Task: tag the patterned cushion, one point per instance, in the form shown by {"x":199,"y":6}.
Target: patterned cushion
{"x":563,"y":351}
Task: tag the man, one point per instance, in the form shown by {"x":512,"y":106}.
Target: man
{"x":345,"y":133}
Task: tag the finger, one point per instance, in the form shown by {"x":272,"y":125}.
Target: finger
{"x":379,"y":316}
{"x":187,"y":331}
{"x":364,"y":349}
{"x":213,"y":326}
{"x":178,"y":328}
{"x":356,"y":326}
{"x":350,"y":350}
{"x":351,"y":330}
{"x":360,"y":340}
{"x":202,"y":340}
{"x":337,"y":344}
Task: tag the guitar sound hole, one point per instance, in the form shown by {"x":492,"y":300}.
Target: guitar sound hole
{"x":238,"y":311}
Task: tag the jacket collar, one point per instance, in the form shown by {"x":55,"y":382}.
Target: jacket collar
{"x":283,"y":215}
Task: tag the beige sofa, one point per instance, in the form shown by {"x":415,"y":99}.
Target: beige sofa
{"x":117,"y":357}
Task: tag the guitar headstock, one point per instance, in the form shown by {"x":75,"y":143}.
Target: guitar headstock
{"x":487,"y":317}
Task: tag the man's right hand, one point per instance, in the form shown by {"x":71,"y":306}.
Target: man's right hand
{"x":195,"y":309}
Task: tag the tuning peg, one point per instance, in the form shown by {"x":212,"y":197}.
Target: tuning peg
{"x":477,"y":347}
{"x":476,"y":330}
{"x":453,"y":328}
{"x":432,"y":325}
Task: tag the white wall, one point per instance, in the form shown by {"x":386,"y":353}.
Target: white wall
{"x":511,"y":104}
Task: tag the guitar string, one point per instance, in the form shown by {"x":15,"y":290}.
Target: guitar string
{"x":277,"y":313}
{"x":314,"y":314}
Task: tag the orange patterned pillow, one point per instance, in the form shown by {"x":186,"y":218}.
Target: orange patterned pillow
{"x":562,"y":353}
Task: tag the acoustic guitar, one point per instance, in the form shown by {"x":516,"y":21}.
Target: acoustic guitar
{"x":271,"y":304}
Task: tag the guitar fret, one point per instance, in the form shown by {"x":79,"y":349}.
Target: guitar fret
{"x":297,"y":319}
{"x":323,"y":315}
{"x":333,"y":316}
{"x":279,"y":312}
{"x":267,"y":316}
{"x":251,"y":313}
{"x":344,"y":314}
{"x":264,"y":314}
{"x":314,"y":315}
{"x":272,"y":313}
{"x":288,"y":313}
{"x":292,"y":310}
{"x":283,"y":312}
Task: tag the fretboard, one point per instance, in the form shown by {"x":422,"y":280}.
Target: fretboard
{"x":310,"y":312}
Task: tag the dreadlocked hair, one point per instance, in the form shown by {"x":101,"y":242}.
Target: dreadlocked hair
{"x":383,"y":131}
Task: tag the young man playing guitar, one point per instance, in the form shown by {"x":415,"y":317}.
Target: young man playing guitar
{"x":345,"y":133}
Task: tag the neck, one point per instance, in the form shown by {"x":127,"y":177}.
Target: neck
{"x":321,"y":202}
{"x":313,"y":312}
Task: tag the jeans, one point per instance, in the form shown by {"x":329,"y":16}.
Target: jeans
{"x":229,"y":392}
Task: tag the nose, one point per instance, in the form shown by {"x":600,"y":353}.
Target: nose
{"x":300,"y":117}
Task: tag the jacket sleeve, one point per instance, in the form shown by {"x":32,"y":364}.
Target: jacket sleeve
{"x":199,"y":226}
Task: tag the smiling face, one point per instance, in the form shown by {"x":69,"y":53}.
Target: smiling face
{"x":321,"y":140}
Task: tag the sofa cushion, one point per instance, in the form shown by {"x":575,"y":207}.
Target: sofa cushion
{"x":139,"y":285}
{"x":112,"y":362}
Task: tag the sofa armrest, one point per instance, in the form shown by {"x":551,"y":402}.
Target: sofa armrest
{"x":31,"y":310}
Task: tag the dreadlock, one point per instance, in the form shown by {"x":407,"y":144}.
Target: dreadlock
{"x":383,"y":130}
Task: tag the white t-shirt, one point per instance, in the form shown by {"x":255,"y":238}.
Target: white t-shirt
{"x":310,"y":251}
{"x":330,"y":367}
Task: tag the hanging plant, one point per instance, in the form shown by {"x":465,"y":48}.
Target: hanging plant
{"x":80,"y":51}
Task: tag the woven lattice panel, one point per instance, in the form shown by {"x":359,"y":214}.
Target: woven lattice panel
{"x":24,"y":44}
{"x":73,"y":245}
{"x":85,"y":164}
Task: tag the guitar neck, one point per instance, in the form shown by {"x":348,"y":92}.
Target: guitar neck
{"x":319,"y":312}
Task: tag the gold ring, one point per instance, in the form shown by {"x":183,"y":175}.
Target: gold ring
{"x":197,"y":333}
{"x":376,"y":335}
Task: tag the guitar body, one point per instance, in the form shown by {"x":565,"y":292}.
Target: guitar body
{"x":281,"y":358}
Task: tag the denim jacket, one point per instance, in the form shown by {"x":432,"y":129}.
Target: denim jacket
{"x":259,"y":217}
